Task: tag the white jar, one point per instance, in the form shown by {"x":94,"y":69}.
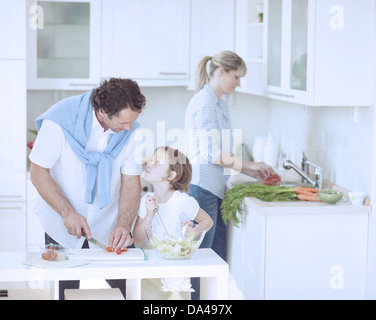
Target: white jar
{"x":258,"y":148}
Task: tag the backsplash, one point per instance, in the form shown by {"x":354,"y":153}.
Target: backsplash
{"x":327,"y":135}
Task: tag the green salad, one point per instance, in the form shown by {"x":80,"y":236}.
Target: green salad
{"x":176,"y":248}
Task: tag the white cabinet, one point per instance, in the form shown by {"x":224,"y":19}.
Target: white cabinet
{"x":300,"y":253}
{"x":316,"y":256}
{"x":12,"y":226}
{"x":13,"y":129}
{"x":63,"y":41}
{"x":12,"y":23}
{"x":35,"y":231}
{"x":146,"y":40}
{"x":212,"y":30}
{"x":13,"y":141}
{"x":319,"y":53}
{"x":249,"y":44}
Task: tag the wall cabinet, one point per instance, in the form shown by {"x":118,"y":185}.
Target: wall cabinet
{"x":316,"y":49}
{"x":63,"y":39}
{"x":13,"y":47}
{"x":249,"y":44}
{"x":212,"y":31}
{"x":293,"y":254}
{"x":146,"y":40}
{"x":310,"y":52}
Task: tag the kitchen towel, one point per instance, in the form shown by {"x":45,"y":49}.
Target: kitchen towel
{"x":75,"y":115}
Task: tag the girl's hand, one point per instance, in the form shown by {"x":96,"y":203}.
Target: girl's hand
{"x":188,"y":227}
{"x":151,"y":205}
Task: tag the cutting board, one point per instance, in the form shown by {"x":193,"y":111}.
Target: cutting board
{"x":41,"y":263}
{"x":100,"y":254}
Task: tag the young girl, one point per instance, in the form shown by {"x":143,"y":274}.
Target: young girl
{"x":170,"y":174}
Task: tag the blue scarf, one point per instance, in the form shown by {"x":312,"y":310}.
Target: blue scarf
{"x":75,"y":116}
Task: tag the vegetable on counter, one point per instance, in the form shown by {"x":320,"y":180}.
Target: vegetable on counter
{"x":232,"y":203}
{"x":118,"y":251}
{"x":273,"y":180}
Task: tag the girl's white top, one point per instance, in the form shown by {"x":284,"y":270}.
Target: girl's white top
{"x":180,"y":207}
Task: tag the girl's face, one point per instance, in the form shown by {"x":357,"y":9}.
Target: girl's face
{"x":158,"y":170}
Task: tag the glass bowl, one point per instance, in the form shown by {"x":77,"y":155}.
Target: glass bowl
{"x":175,"y":246}
{"x":54,"y":252}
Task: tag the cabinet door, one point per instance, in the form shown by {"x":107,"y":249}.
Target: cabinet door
{"x":321,"y":256}
{"x":12,"y":226}
{"x":64,"y":44}
{"x":212,"y":30}
{"x":13,"y":130}
{"x":274,"y":43}
{"x":254,"y":255}
{"x":289,"y":48}
{"x":315,"y":50}
{"x":146,"y":39}
{"x":344,"y":54}
{"x":12,"y":22}
{"x":249,"y":44}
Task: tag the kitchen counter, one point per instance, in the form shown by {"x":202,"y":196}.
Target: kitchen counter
{"x":299,"y":249}
{"x":298,"y":207}
{"x":205,"y":263}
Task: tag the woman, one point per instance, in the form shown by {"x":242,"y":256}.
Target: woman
{"x":210,"y":141}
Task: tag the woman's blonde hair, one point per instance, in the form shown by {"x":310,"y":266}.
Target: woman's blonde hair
{"x":227,"y":59}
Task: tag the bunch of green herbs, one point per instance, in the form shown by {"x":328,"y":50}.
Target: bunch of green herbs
{"x":232,"y":205}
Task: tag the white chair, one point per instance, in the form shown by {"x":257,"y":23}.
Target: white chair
{"x":93,"y":294}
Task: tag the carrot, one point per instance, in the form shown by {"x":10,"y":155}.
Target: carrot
{"x":307,"y":197}
{"x":304,"y":189}
{"x":306,"y":193}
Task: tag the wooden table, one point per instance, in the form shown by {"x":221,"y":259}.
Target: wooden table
{"x":205,"y":263}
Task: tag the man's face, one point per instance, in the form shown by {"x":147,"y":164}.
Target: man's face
{"x":119,"y":122}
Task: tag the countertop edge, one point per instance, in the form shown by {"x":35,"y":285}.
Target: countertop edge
{"x":302,"y":207}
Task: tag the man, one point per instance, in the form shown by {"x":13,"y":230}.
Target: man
{"x":84,"y":167}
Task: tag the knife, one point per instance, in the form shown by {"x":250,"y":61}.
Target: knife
{"x":94,"y":241}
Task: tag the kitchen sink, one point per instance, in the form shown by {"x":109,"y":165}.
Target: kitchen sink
{"x":296,"y":184}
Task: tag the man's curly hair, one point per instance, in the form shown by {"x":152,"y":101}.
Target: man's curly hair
{"x":116,"y":94}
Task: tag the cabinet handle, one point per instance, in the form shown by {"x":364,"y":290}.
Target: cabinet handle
{"x":7,"y":197}
{"x":83,"y":84}
{"x":281,"y":94}
{"x":173,"y":73}
{"x":11,"y":208}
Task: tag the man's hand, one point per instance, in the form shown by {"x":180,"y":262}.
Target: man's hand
{"x":77,"y":225}
{"x":120,"y":238}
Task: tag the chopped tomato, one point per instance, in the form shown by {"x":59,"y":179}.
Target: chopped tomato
{"x":118,"y":251}
{"x":110,"y":249}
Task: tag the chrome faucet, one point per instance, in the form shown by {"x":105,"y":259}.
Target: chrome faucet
{"x":317,"y":183}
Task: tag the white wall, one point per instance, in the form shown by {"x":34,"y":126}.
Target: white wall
{"x":327,"y":135}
